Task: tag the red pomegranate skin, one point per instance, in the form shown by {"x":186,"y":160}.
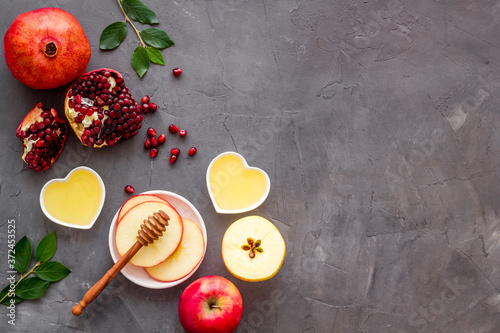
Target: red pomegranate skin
{"x":46,"y":48}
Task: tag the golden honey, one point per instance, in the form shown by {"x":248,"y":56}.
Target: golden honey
{"x":76,"y":200}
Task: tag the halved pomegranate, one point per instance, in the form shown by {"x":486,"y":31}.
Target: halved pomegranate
{"x":101,"y":109}
{"x":43,"y":134}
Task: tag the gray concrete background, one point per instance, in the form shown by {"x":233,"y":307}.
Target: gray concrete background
{"x":377,"y":122}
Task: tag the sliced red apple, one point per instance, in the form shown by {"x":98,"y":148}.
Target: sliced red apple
{"x":135,"y":200}
{"x":187,"y":256}
{"x":253,"y":249}
{"x":159,"y":250}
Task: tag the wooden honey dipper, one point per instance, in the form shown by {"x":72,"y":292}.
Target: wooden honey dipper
{"x":152,"y":228}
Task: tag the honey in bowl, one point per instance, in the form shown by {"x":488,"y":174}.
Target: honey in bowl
{"x":76,"y":200}
{"x":234,"y":186}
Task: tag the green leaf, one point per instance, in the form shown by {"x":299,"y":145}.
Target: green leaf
{"x":46,"y":248}
{"x":156,"y":38}
{"x":155,"y":55}
{"x":7,"y":300}
{"x":31,"y":288}
{"x":52,"y":271}
{"x":140,"y":61}
{"x":113,"y":35}
{"x":138,"y":11}
{"x":23,"y":255}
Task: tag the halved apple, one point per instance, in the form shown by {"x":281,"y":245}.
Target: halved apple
{"x":159,"y":250}
{"x":187,"y":256}
{"x":135,"y":200}
{"x":253,"y":249}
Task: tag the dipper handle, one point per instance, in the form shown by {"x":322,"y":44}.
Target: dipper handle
{"x":151,"y":229}
{"x":93,"y":292}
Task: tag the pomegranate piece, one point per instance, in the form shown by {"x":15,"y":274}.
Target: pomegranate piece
{"x":147,"y":143}
{"x":173,"y":159}
{"x":145,"y":99}
{"x":46,"y":48}
{"x":154,"y":142}
{"x":151,"y":132}
{"x":175,"y":151}
{"x":182,"y":132}
{"x":43,"y":134}
{"x":173,"y":128}
{"x":177,"y":72}
{"x":129,"y":189}
{"x":153,"y":107}
{"x":153,"y":152}
{"x":101,"y":109}
{"x":162,"y":138}
{"x":145,"y":108}
{"x":192,"y":151}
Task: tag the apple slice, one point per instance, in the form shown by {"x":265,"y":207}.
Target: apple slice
{"x":253,"y":249}
{"x":159,"y":250}
{"x":135,"y":200}
{"x":187,"y":256}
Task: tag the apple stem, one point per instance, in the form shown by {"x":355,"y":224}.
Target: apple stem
{"x":213,"y":306}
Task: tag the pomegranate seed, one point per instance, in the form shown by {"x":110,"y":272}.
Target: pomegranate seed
{"x":154,"y":142}
{"x":175,"y":151}
{"x":129,"y":189}
{"x":173,"y":128}
{"x":145,"y":108}
{"x":192,"y":151}
{"x":145,"y":99}
{"x":183,"y":132}
{"x":177,"y":71}
{"x":147,"y":144}
{"x":153,"y":107}
{"x":153,"y":152}
{"x":151,"y":132}
{"x":162,"y":138}
{"x":173,"y":158}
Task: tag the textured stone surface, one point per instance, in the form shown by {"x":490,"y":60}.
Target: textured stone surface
{"x":377,"y":122}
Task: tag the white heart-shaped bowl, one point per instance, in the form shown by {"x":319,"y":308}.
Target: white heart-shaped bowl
{"x":138,"y":275}
{"x":247,"y":167}
{"x":53,"y":219}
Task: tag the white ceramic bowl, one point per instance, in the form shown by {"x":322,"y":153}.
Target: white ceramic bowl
{"x":247,"y":167}
{"x":49,"y":216}
{"x":138,"y":275}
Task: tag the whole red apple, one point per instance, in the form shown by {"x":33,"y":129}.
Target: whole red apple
{"x":210,"y":304}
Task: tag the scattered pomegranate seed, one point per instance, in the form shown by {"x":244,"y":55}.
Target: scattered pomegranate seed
{"x":151,"y":132}
{"x":129,"y":189}
{"x":154,"y":142}
{"x":162,"y":138}
{"x":175,"y":151}
{"x":153,"y":152}
{"x":147,"y":144}
{"x":145,"y":99}
{"x":192,"y":151}
{"x":153,"y":107}
{"x":145,"y":108}
{"x":177,"y":71}
{"x":173,"y":128}
{"x":173,"y":158}
{"x":183,"y":132}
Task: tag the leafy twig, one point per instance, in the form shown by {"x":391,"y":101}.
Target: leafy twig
{"x":151,"y":40}
{"x":46,"y":271}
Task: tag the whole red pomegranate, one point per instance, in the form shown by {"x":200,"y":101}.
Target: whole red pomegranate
{"x":46,"y":48}
{"x":101,"y":109}
{"x":43,"y":134}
